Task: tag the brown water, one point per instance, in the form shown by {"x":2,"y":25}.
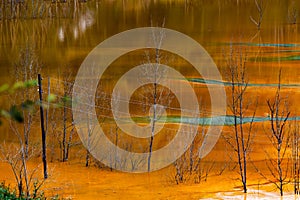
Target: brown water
{"x":63,"y":41}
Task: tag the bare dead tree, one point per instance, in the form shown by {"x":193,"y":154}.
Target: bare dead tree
{"x":66,"y":143}
{"x":90,"y":129}
{"x":279,"y":114}
{"x":53,"y":124}
{"x":88,"y":149}
{"x":134,"y":162}
{"x":60,"y":117}
{"x":26,"y":69}
{"x":153,"y":93}
{"x":296,"y":157}
{"x":191,"y":166}
{"x":101,"y":104}
{"x":70,"y":141}
{"x":181,"y":169}
{"x":201,"y":167}
{"x":24,"y":177}
{"x":115,"y":129}
{"x":243,"y":133}
{"x":280,"y":137}
{"x":44,"y":148}
{"x":185,"y":165}
{"x":18,"y":164}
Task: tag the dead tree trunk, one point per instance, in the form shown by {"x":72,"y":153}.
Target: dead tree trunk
{"x":89,"y":132}
{"x":64,"y":139}
{"x":44,"y":155}
{"x":154,"y":108}
{"x":70,"y":141}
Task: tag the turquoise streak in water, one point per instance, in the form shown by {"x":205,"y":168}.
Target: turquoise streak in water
{"x":270,"y":59}
{"x":226,"y":83}
{"x":227,"y":120}
{"x":276,"y":59}
{"x":286,"y":45}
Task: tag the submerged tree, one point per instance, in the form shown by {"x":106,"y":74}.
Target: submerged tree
{"x":59,"y":117}
{"x":296,"y":157}
{"x":66,"y":141}
{"x":26,"y":69}
{"x":24,"y":177}
{"x":155,"y":94}
{"x":190,"y":166}
{"x":280,"y":138}
{"x":154,"y":74}
{"x":239,"y":105}
{"x":278,"y":160}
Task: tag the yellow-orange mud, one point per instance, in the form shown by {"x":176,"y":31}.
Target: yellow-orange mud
{"x":76,"y":181}
{"x":73,"y":179}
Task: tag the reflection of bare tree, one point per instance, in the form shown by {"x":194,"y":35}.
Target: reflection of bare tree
{"x":46,"y":31}
{"x":260,"y":9}
{"x":292,"y":13}
{"x":24,"y":9}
